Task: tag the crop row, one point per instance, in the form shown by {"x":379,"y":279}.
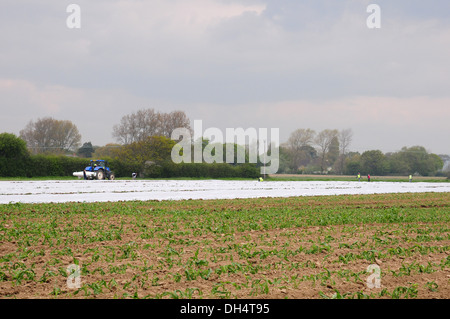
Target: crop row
{"x":281,"y":248}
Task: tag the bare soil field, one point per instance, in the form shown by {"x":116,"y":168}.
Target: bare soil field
{"x":351,"y":246}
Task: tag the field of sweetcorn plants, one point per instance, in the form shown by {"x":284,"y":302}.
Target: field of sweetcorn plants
{"x":297,"y":247}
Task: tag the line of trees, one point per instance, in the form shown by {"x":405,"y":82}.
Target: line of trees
{"x":150,"y":158}
{"x":144,"y":146}
{"x":327,"y":152}
{"x":312,"y":152}
{"x":51,"y":136}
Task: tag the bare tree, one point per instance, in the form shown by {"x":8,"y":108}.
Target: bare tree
{"x":301,"y":137}
{"x":299,"y":144}
{"x":48,"y":135}
{"x":171,"y":121}
{"x":323,"y":141}
{"x":136,"y":127}
{"x":345,"y":139}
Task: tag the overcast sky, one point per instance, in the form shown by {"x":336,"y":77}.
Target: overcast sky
{"x":284,"y":64}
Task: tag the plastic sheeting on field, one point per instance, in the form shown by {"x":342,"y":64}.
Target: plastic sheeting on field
{"x":126,"y":190}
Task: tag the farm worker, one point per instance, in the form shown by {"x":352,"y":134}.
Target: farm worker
{"x":368,"y":177}
{"x":359,"y":177}
{"x":410,"y":178}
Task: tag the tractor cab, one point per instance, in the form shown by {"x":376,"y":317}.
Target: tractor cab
{"x":97,"y":165}
{"x":97,"y":169}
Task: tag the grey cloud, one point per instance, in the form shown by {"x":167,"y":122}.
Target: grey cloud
{"x":130,"y":55}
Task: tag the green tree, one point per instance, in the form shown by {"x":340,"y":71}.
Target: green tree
{"x":305,"y":155}
{"x":13,"y":155}
{"x":435,"y":164}
{"x":233,"y":150}
{"x":109,"y":150}
{"x":148,"y":154}
{"x":373,"y":162}
{"x":352,"y":163}
{"x":333,"y":151}
{"x":416,"y":159}
{"x":12,"y":146}
{"x":285,"y":159}
{"x":86,"y":150}
{"x":398,"y":164}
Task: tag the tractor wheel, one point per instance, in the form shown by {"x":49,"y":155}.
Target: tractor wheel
{"x":100,"y":174}
{"x":112,"y":176}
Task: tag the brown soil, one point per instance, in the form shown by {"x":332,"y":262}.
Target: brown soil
{"x":295,"y":263}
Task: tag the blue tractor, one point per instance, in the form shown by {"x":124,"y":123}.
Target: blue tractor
{"x":97,"y":169}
